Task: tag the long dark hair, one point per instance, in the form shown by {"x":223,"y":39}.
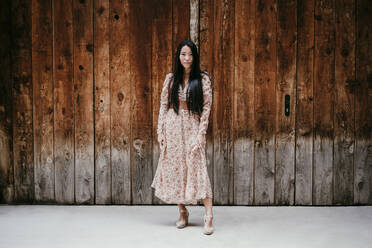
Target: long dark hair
{"x":194,"y":95}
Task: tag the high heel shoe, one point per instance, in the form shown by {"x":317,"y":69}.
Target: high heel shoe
{"x":182,"y":224}
{"x":208,"y":230}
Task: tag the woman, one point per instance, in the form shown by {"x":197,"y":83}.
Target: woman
{"x":181,"y":176}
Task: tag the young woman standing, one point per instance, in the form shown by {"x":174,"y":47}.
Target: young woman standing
{"x":186,"y":98}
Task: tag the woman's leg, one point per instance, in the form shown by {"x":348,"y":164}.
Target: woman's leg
{"x":208,"y":209}
{"x":182,"y":208}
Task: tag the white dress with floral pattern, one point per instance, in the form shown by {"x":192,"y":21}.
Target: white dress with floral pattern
{"x":181,"y":176}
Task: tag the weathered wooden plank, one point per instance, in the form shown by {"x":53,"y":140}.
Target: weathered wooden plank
{"x":64,"y":153}
{"x":265,"y":101}
{"x":223,"y":94}
{"x":285,"y":94}
{"x":194,"y":21}
{"x":181,"y":22}
{"x":243,"y":105}
{"x":161,"y":64}
{"x":140,"y":66}
{"x":42,"y":78}
{"x":102,"y":102}
{"x":363,"y":105}
{"x":6,"y":168}
{"x":304,"y":103}
{"x":323,"y":102}
{"x":83,"y":97}
{"x":206,"y":50}
{"x":343,"y":166}
{"x":6,"y":106}
{"x":22,"y":101}
{"x":120,"y":81}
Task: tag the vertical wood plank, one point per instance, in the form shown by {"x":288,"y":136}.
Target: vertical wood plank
{"x":161,"y":65}
{"x":83,"y":97}
{"x":42,"y":78}
{"x":344,"y":103}
{"x":323,"y":102}
{"x":363,"y":105}
{"x":304,"y":102}
{"x":194,"y":21}
{"x":243,"y":105}
{"x":140,"y":66}
{"x":285,"y":87}
{"x":223,"y":86}
{"x":181,"y":22}
{"x":206,"y":51}
{"x":102,"y":102}
{"x":120,"y":81}
{"x":6,"y":106}
{"x":265,"y":101}
{"x":22,"y":101}
{"x":64,"y":153}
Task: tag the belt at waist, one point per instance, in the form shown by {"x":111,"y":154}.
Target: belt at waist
{"x":183,"y":105}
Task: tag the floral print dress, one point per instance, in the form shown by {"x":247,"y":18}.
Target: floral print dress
{"x":181,"y":176}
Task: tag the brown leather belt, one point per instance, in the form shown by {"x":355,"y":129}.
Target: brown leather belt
{"x":183,"y":105}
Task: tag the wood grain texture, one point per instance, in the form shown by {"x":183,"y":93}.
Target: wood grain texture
{"x":83,"y":97}
{"x":6,"y":106}
{"x":21,"y":56}
{"x":102,"y":110}
{"x":223,"y":102}
{"x":324,"y":80}
{"x":265,"y":101}
{"x":206,"y":51}
{"x":64,"y":152}
{"x":181,"y":22}
{"x":42,"y":78}
{"x":161,"y":64}
{"x":140,"y":66}
{"x":194,"y":21}
{"x":343,"y":155}
{"x":120,"y":80}
{"x":363,"y":105}
{"x":285,"y":86}
{"x":304,"y":102}
{"x":243,"y":118}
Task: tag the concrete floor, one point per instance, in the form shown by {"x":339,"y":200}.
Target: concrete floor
{"x":153,"y":226}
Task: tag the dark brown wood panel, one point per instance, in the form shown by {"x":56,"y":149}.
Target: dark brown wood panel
{"x":206,"y":50}
{"x":102,"y":110}
{"x":140,"y":64}
{"x":83,"y":106}
{"x":265,"y":101}
{"x":223,"y":102}
{"x":363,"y":105}
{"x":343,"y":161}
{"x":22,"y":101}
{"x":161,"y":64}
{"x":83,"y":79}
{"x":6,"y":106}
{"x":243,"y":118}
{"x":120,"y":81}
{"x":304,"y":102}
{"x":285,"y":102}
{"x":64,"y":153}
{"x":181,"y":22}
{"x":42,"y":78}
{"x":324,"y":80}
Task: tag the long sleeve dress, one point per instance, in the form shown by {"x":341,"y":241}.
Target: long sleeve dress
{"x":181,"y":176}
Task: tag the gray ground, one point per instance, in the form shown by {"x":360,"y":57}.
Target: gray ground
{"x":154,"y":226}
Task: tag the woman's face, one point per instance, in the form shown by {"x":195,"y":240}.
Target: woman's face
{"x":186,"y":57}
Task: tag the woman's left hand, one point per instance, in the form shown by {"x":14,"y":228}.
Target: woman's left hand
{"x":199,"y":142}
